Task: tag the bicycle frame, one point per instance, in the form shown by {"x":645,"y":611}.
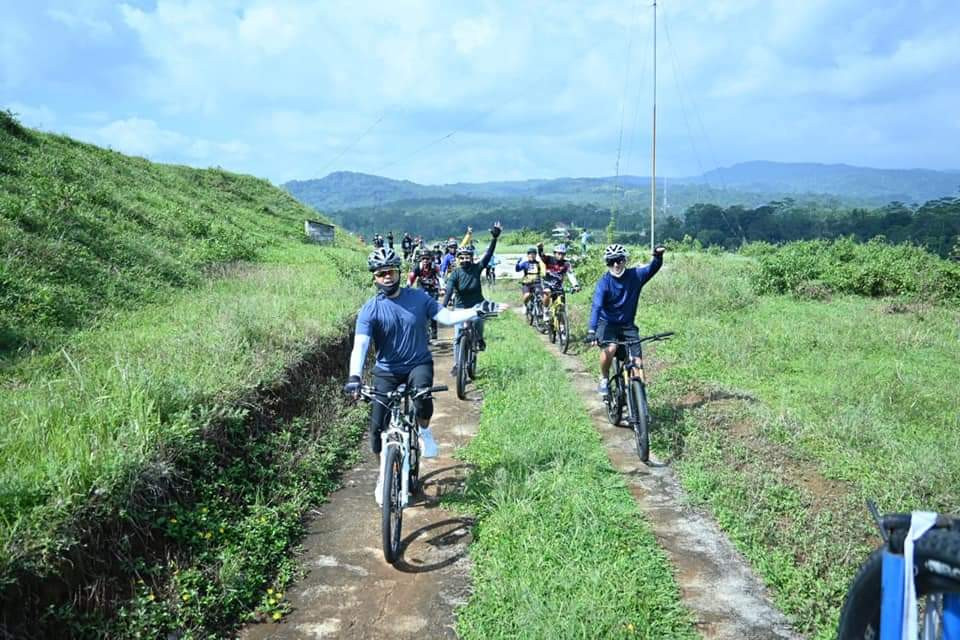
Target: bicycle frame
{"x":399,"y":433}
{"x":892,"y":611}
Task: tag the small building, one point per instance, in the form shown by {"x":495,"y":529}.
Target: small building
{"x":319,"y":231}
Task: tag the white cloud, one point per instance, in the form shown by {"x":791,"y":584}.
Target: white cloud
{"x":472,"y":34}
{"x":144,"y":137}
{"x":284,"y":86}
{"x":91,"y":26}
{"x":140,"y":137}
{"x":37,"y":117}
{"x":14,"y":40}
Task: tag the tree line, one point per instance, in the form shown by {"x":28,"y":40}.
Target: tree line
{"x":934,"y":224}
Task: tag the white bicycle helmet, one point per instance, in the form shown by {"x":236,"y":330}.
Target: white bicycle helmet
{"x":614,"y":252}
{"x":560,"y":248}
{"x":466,"y":250}
{"x":382,"y":258}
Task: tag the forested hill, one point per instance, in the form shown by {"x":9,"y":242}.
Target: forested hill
{"x":748,"y":183}
{"x":904,"y":185}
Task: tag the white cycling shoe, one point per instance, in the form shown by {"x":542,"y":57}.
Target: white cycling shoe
{"x":430,"y":449}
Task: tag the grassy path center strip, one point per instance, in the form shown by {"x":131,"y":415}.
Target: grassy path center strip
{"x":562,"y":550}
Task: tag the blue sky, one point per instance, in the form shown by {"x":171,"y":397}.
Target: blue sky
{"x":289,"y":89}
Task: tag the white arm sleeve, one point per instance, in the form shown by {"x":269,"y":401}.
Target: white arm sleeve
{"x":455,"y":316}
{"x":572,"y":277}
{"x":359,"y":354}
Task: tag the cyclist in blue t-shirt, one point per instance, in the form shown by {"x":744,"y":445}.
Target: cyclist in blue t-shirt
{"x":615,"y":307}
{"x":396,"y":320}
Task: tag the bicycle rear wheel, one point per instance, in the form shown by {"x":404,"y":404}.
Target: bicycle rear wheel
{"x":472,"y":364}
{"x":936,"y":562}
{"x":641,"y":421}
{"x":391,"y":513}
{"x":463,"y":366}
{"x":614,"y":399}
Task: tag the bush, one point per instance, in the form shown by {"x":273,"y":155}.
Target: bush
{"x":845,"y":266}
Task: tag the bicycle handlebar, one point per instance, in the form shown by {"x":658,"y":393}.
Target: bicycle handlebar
{"x":654,"y":338}
{"x":370,"y":394}
{"x":658,"y":336}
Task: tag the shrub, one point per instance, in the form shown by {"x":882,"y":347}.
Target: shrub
{"x":845,"y":266}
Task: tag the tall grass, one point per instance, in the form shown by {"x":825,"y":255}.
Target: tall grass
{"x":808,"y":408}
{"x":83,"y":421}
{"x":561,"y":548}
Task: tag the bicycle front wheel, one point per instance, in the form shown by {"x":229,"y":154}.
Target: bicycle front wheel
{"x":641,"y":421}
{"x":391,"y":514}
{"x":563,"y":331}
{"x":614,"y":399}
{"x":936,"y":563}
{"x":552,"y":327}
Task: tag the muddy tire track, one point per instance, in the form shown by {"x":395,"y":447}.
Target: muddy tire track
{"x":349,"y":590}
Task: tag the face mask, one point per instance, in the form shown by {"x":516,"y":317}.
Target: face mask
{"x":615,"y":274}
{"x":389,"y":289}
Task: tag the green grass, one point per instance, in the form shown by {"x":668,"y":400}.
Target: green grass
{"x":561,"y":549}
{"x":809,"y":408}
{"x":83,"y":421}
{"x":86,"y":231}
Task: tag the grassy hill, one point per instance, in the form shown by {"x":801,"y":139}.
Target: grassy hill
{"x":165,"y":417}
{"x":86,"y":231}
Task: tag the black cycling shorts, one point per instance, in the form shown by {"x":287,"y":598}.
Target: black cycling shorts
{"x":607,"y":333}
{"x":530,"y":288}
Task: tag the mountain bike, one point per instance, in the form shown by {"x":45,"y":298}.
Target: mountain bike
{"x":535,"y":310}
{"x":875,"y":605}
{"x":468,"y":346}
{"x":558,"y":326}
{"x":625,"y":388}
{"x":399,"y":458}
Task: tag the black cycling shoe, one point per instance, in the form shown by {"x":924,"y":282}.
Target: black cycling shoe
{"x":481,"y":345}
{"x":453,"y":371}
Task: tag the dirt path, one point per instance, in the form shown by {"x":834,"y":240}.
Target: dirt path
{"x":716,"y":584}
{"x":349,"y":591}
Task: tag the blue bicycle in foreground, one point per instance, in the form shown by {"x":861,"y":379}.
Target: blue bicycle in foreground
{"x":910,"y":587}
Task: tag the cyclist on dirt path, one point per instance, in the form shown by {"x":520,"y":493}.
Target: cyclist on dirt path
{"x":428,"y":275}
{"x":396,"y":321}
{"x":449,"y":258}
{"x":532,"y":270}
{"x":612,"y":316}
{"x":465,"y":283}
{"x":556,"y":267}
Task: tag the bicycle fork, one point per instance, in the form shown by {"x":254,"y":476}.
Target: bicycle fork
{"x":404,"y":445}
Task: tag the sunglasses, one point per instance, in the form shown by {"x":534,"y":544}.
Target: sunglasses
{"x":384,"y":273}
{"x":610,"y":263}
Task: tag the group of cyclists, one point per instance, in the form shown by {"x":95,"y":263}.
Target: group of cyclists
{"x":397,"y":318}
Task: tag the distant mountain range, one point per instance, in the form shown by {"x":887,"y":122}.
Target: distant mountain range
{"x":747,"y":182}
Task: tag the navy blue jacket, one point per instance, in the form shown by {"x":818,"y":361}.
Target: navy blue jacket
{"x":615,"y":299}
